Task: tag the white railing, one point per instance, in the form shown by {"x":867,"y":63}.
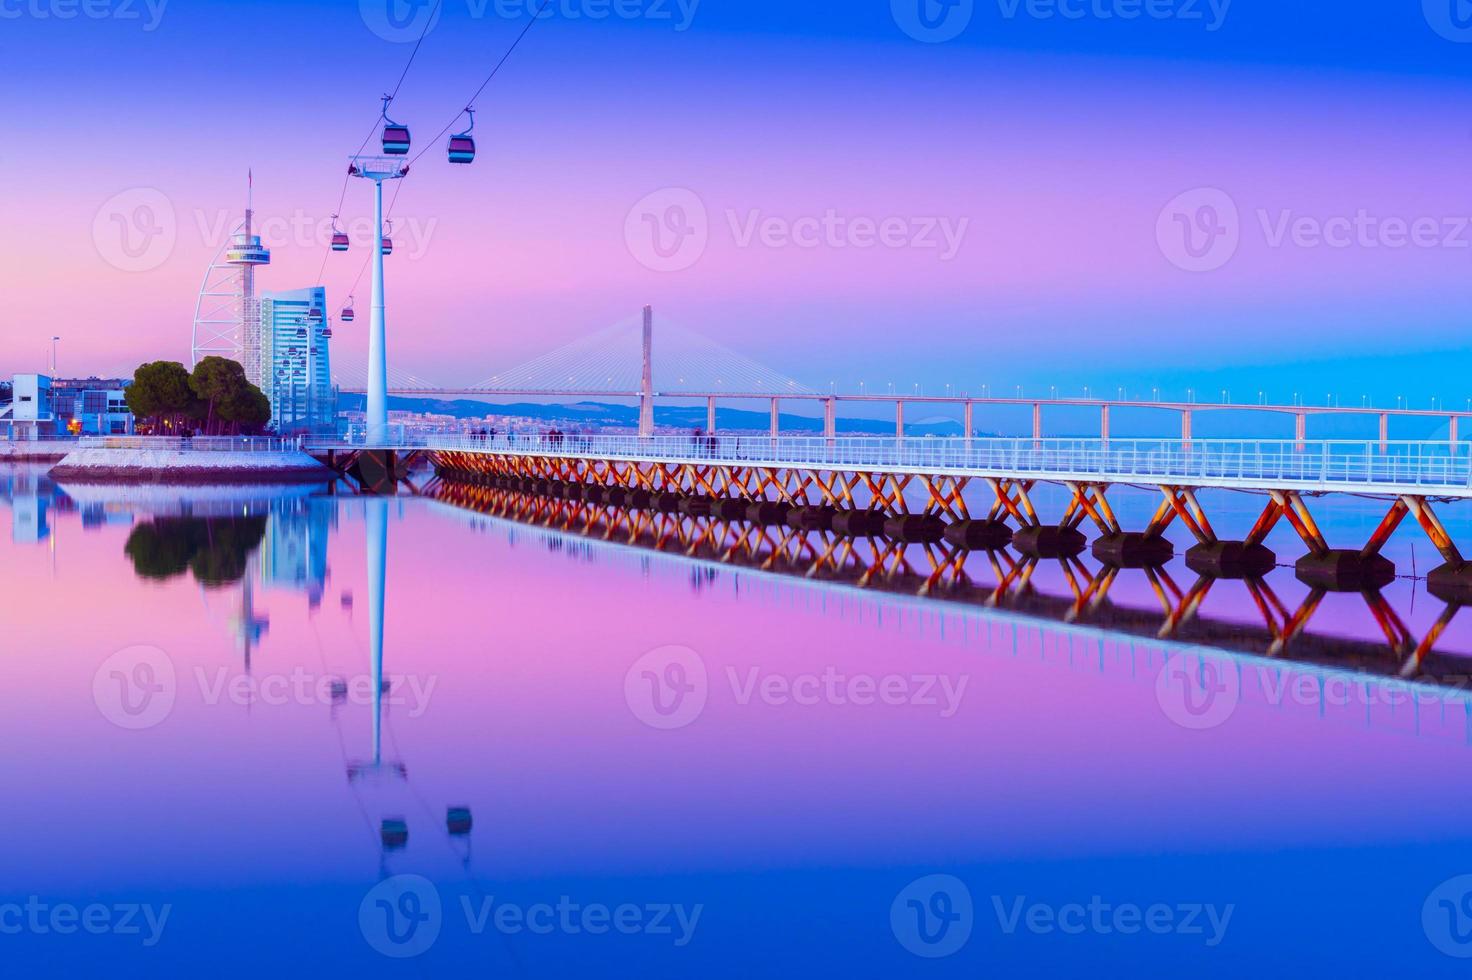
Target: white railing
{"x":198,"y":444}
{"x":1433,"y":466}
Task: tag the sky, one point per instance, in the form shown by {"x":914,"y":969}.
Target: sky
{"x":1137,"y":194}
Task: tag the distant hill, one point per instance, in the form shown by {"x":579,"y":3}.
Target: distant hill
{"x":673,"y":416}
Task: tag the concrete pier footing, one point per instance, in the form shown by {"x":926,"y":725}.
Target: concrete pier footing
{"x":1231,"y":560}
{"x":859,"y":523}
{"x":812,"y":518}
{"x":1345,"y":571}
{"x":915,"y":529}
{"x":979,"y":535}
{"x":1132,"y":549}
{"x":1049,"y":541}
{"x":1451,"y":582}
{"x":768,"y":512}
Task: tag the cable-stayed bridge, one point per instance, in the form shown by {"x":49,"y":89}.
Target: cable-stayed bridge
{"x":640,"y":360}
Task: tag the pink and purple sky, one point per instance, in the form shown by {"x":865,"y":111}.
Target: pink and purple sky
{"x":1066,"y":147}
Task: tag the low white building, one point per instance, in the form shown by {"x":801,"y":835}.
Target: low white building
{"x":30,"y":415}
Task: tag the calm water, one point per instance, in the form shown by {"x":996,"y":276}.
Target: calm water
{"x":680,"y":767}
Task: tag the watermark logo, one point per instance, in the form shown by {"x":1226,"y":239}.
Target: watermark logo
{"x":941,"y":234}
{"x":933,"y":21}
{"x":401,"y":916}
{"x":41,"y":918}
{"x":568,"y":917}
{"x":679,"y":13}
{"x":149,"y":12}
{"x":135,"y":688}
{"x":1452,"y":19}
{"x":668,"y":230}
{"x":1198,"y":692}
{"x":1200,"y":230}
{"x":400,"y":21}
{"x":1210,"y":13}
{"x":667,"y":688}
{"x":1206,"y":921}
{"x":942,"y":693}
{"x":135,"y":230}
{"x":932,"y":916}
{"x":1446,"y":917}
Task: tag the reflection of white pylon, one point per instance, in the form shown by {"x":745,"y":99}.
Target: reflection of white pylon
{"x":376,"y":519}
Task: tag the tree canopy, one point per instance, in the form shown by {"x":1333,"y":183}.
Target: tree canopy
{"x":161,"y":393}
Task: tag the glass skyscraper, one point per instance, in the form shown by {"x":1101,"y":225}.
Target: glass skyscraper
{"x":296,"y":366}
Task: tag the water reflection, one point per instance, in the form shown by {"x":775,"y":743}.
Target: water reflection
{"x":215,"y":549}
{"x":1262,"y":621}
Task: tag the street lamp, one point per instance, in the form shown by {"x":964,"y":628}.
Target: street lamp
{"x":53,"y":355}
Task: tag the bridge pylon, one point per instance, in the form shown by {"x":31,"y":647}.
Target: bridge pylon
{"x":646,"y":378}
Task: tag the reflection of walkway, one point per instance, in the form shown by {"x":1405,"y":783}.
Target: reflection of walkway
{"x":939,"y":571}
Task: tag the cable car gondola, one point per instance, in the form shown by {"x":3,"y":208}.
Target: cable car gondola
{"x":388,"y":242}
{"x":395,"y":136}
{"x":314,"y":315}
{"x":462,"y":145}
{"x":339,"y":237}
{"x":347,"y":311}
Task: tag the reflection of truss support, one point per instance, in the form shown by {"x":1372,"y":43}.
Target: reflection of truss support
{"x":897,"y":495}
{"x":918,"y":568}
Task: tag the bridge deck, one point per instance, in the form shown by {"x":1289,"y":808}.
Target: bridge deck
{"x":1361,"y":467}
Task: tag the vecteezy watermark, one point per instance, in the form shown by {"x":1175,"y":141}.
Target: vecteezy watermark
{"x":135,"y":688}
{"x":1446,"y":917}
{"x":834,"y":687}
{"x":933,"y":21}
{"x":1201,"y":691}
{"x":406,"y":21}
{"x":1198,"y":692}
{"x":570,"y":918}
{"x":670,"y":230}
{"x":670,"y":687}
{"x":937,"y":21}
{"x":1102,"y":918}
{"x":932,"y":916}
{"x":1452,"y":19}
{"x":135,"y":230}
{"x":300,"y":687}
{"x":667,"y":687}
{"x":1211,"y":14}
{"x":138,"y":687}
{"x":1202,"y":229}
{"x":149,"y":13}
{"x":411,"y":235}
{"x":403,"y":916}
{"x":40,"y":918}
